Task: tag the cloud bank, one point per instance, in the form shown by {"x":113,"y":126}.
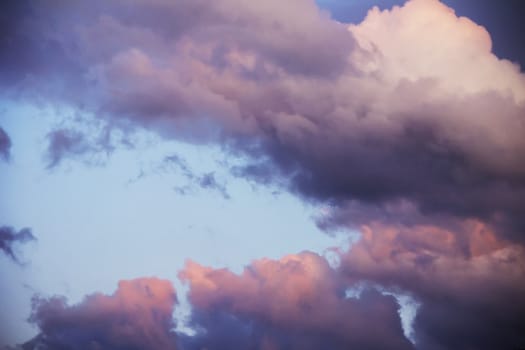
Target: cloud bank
{"x":406,"y":126}
{"x":301,"y":302}
{"x":409,"y":104}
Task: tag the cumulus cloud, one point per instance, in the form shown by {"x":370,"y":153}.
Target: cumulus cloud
{"x":462,"y":293}
{"x":465,"y":282}
{"x":5,"y":145}
{"x":63,"y":143}
{"x":297,"y":302}
{"x":409,"y":104}
{"x":10,"y":237}
{"x":301,"y":302}
{"x":137,"y":316}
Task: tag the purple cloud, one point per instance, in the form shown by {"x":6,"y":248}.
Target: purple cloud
{"x":10,"y":237}
{"x":137,"y":316}
{"x":297,"y":302}
{"x":369,"y":112}
{"x":5,"y":145}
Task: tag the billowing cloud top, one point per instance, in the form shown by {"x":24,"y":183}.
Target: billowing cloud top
{"x":297,"y":302}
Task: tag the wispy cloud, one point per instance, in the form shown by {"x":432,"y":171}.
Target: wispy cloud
{"x":9,"y":237}
{"x":5,"y":145}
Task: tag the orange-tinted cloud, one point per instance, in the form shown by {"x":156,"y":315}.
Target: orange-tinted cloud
{"x":466,"y":281}
{"x":297,"y":302}
{"x":137,"y":316}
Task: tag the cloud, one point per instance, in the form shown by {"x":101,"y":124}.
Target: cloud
{"x":206,"y":180}
{"x":463,"y":286}
{"x":92,"y":146}
{"x":409,"y":104}
{"x":209,"y":181}
{"x":9,"y":237}
{"x":465,"y":282}
{"x":406,"y":124}
{"x":5,"y":145}
{"x":63,"y":143}
{"x":137,"y":316}
{"x":297,"y":302}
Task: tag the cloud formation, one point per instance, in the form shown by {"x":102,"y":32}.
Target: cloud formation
{"x":5,"y":145}
{"x":406,"y":125}
{"x":466,"y":300}
{"x":468,"y":286}
{"x":409,"y":104}
{"x":297,"y":302}
{"x":64,"y":143}
{"x":468,"y":283}
{"x":137,"y":316}
{"x":206,"y":181}
{"x":10,"y":237}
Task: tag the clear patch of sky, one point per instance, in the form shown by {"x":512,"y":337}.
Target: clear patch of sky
{"x":125,"y":219}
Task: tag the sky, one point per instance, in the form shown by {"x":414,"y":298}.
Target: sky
{"x":262,"y":175}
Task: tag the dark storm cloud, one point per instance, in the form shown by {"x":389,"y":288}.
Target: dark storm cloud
{"x":9,"y":237}
{"x":137,"y":316}
{"x":5,"y":145}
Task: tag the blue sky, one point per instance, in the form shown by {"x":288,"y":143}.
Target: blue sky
{"x":95,"y":225}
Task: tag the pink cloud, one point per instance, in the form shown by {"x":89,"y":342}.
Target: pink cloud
{"x":138,"y":315}
{"x":298,"y":299}
{"x":466,"y":280}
